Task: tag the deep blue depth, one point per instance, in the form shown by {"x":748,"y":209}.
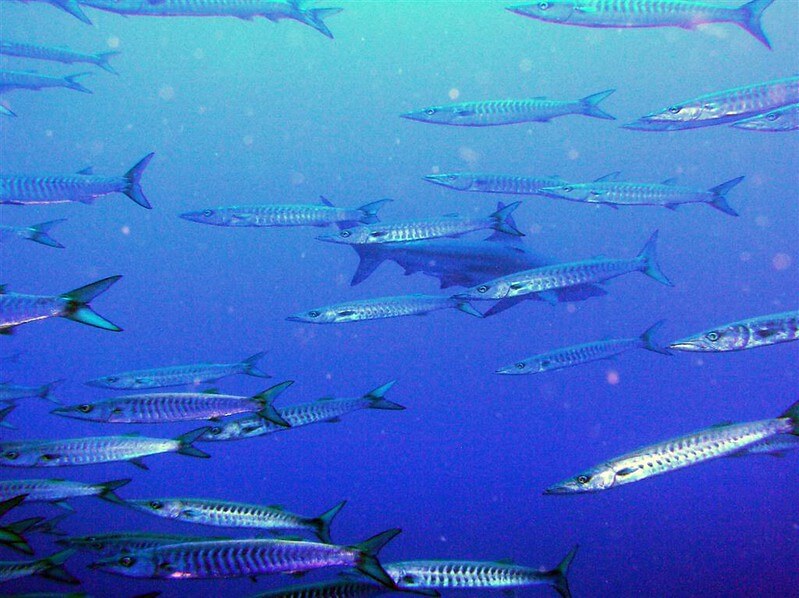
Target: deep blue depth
{"x":253,"y":112}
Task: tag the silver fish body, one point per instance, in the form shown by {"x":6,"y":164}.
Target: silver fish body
{"x":13,"y":392}
{"x":11,"y":80}
{"x":493,"y":183}
{"x":177,"y":375}
{"x":111,"y":544}
{"x":83,"y":186}
{"x":710,"y":443}
{"x":54,"y":54}
{"x":585,"y":353}
{"x":221,"y":513}
{"x":93,"y":449}
{"x":281,"y":215}
{"x":687,"y":14}
{"x":50,"y":567}
{"x":506,"y":112}
{"x":303,"y":414}
{"x":38,"y":233}
{"x":342,"y":588}
{"x":382,"y":307}
{"x":723,"y":107}
{"x":57,"y":491}
{"x":779,"y":120}
{"x":761,"y":331}
{"x":243,"y":9}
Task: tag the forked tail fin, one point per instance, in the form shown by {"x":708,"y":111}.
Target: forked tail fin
{"x":79,"y":310}
{"x":38,"y":233}
{"x":749,"y":19}
{"x":367,"y":561}
{"x":133,"y":188}
{"x":72,"y":83}
{"x":500,"y":218}
{"x":250,"y":366}
{"x":315,"y":17}
{"x":590,"y":105}
{"x":73,"y":8}
{"x":102,"y":61}
{"x":647,"y":342}
{"x":324,"y":520}
{"x":370,"y":210}
{"x":377,"y":400}
{"x":558,"y":575}
{"x":649,"y":264}
{"x":267,"y":398}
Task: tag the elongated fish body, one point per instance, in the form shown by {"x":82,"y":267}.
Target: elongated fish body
{"x":777,"y":121}
{"x":342,"y":588}
{"x":38,"y":233}
{"x":83,"y":187}
{"x":243,"y":9}
{"x":493,"y":183}
{"x":11,"y":80}
{"x":548,"y":278}
{"x":56,"y":491}
{"x":280,"y":215}
{"x":247,"y":558}
{"x":70,"y":6}
{"x":622,"y":193}
{"x":17,"y":309}
{"x":719,"y":441}
{"x":761,"y":331}
{"x":507,"y":112}
{"x":50,"y":567}
{"x":724,"y":107}
{"x":93,"y":449}
{"x":177,"y":375}
{"x":323,"y":410}
{"x":687,"y":14}
{"x":158,"y":408}
{"x":382,"y":307}
{"x":221,"y":513}
{"x":416,"y":230}
{"x":14,"y":392}
{"x":53,"y":54}
{"x":774,"y":445}
{"x":585,"y":353}
{"x":124,"y":542}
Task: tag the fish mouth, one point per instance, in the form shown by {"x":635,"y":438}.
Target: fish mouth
{"x":550,"y":192}
{"x":327,"y":239}
{"x":685,"y":345}
{"x":96,"y":384}
{"x":296,"y":319}
{"x":558,"y":489}
{"x":505,"y":371}
{"x":65,"y":412}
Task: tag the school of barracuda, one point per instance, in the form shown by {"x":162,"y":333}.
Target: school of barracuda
{"x":497,"y":268}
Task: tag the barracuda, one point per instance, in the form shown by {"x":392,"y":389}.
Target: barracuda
{"x":220,"y":513}
{"x":63,"y":55}
{"x":718,"y":441}
{"x":249,"y":557}
{"x":164,"y":408}
{"x":125,"y":542}
{"x":51,"y":567}
{"x":324,"y":410}
{"x":507,"y":112}
{"x":723,"y":107}
{"x":776,"y":121}
{"x":58,"y":491}
{"x":761,"y":331}
{"x":38,"y":233}
{"x":342,"y":588}
{"x":493,"y":183}
{"x":11,"y":80}
{"x":13,"y":392}
{"x":382,"y":307}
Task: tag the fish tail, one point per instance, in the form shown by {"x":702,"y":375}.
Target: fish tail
{"x":558,"y":576}
{"x":102,"y":61}
{"x":79,"y":310}
{"x":107,"y":490}
{"x":647,"y":342}
{"x":367,"y":561}
{"x":590,"y":105}
{"x":73,"y":84}
{"x":73,"y":8}
{"x":324,"y":520}
{"x":6,"y":111}
{"x":38,"y":233}
{"x":377,"y":400}
{"x":467,"y":308}
{"x":50,"y":526}
{"x":267,"y":397}
{"x":186,"y":444}
{"x":12,"y":538}
{"x":792,"y":414}
{"x":54,"y":567}
{"x":46,"y":389}
{"x":719,"y":192}
{"x":648,"y":258}
{"x":749,"y":19}
{"x":250,"y":366}
{"x":315,"y":18}
{"x":500,"y":218}
{"x":369,"y":211}
{"x":3,"y":413}
{"x":133,"y":188}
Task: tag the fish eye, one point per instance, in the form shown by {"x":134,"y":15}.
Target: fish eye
{"x":543,"y":5}
{"x":583,"y":479}
{"x":772,"y":116}
{"x":11,"y":455}
{"x":483,"y":288}
{"x":127,"y":561}
{"x":86,"y":408}
{"x":451,"y":177}
{"x":712,"y":336}
{"x":430,"y":111}
{"x":216,"y":430}
{"x":97,"y":545}
{"x":314,"y":314}
{"x":520,"y":365}
{"x":675,"y":109}
{"x":568,"y":189}
{"x":156,"y":504}
{"x":208,"y":213}
{"x":112,"y":379}
{"x":345,"y":233}
{"x":710,"y":106}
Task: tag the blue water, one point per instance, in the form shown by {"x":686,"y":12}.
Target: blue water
{"x":250,"y":112}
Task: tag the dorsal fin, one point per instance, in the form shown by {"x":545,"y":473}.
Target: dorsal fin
{"x":87,"y":170}
{"x":670,"y":182}
{"x":608,"y":178}
{"x":325,"y":201}
{"x":723,"y":424}
{"x":211,"y":391}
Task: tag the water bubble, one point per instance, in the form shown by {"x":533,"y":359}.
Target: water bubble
{"x":612,"y":377}
{"x":166,"y":93}
{"x":454,"y":93}
{"x":781,"y":261}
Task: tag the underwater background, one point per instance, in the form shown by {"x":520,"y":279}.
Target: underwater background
{"x":253,"y":112}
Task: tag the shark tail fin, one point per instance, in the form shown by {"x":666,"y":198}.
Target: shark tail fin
{"x":324,"y":520}
{"x":79,"y":310}
{"x":38,"y":233}
{"x":133,"y":188}
{"x":648,"y":257}
{"x":749,"y":19}
{"x":590,"y":105}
